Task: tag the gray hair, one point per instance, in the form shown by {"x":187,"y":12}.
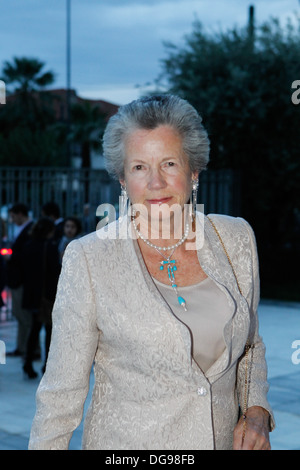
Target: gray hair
{"x":149,"y":113}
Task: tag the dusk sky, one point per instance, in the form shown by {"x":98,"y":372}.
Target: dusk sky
{"x":117,"y":45}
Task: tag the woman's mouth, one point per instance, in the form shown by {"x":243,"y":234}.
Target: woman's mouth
{"x":159,"y":201}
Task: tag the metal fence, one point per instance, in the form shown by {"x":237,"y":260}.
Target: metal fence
{"x":78,"y":192}
{"x":220,"y":192}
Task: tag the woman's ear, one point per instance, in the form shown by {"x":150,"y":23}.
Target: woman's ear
{"x":195,"y":176}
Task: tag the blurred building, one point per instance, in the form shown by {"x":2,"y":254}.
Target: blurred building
{"x":60,"y":105}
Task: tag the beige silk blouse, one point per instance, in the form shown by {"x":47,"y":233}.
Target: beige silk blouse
{"x":206,"y":316}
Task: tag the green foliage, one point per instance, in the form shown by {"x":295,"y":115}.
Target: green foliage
{"x":87,"y":127}
{"x":241,"y":85}
{"x":24,"y":147}
{"x":28,"y":135}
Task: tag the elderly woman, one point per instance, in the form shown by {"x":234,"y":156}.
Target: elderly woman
{"x":163,"y":302}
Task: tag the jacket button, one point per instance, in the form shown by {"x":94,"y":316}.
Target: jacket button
{"x":202,"y":391}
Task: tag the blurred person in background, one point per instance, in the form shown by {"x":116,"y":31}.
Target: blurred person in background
{"x":88,"y":220}
{"x":2,"y":280}
{"x":3,"y":233}
{"x":40,"y":270}
{"x":19,"y":216}
{"x":52,"y":211}
{"x":3,"y":237}
{"x":71,"y":230}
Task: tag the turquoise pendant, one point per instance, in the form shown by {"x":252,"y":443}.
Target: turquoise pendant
{"x":181,"y":301}
{"x":171,"y":264}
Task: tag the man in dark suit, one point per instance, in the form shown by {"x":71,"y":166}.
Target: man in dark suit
{"x":23,"y":223}
{"x":52,"y":211}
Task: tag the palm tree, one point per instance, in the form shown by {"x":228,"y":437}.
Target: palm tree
{"x":27,"y":132}
{"x":26,"y":74}
{"x":24,"y":77}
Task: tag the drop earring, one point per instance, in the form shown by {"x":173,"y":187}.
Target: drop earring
{"x":193,"y":205}
{"x":123,"y":201}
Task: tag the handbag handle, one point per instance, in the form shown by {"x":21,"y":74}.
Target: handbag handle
{"x":248,"y":345}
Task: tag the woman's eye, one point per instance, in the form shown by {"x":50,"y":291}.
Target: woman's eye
{"x":169,"y":164}
{"x":138,"y":167}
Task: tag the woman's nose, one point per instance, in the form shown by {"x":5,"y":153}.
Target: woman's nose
{"x":156,"y":180}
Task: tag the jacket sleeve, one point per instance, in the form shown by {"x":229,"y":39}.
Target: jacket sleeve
{"x":63,"y":389}
{"x":257,"y":367}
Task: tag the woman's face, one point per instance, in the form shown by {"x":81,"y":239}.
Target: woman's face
{"x":156,"y":169}
{"x":70,"y":229}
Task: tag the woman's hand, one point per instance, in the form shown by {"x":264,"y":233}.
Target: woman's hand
{"x":256,"y":436}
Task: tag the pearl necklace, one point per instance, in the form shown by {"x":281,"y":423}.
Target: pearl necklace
{"x":163,"y":248}
{"x":168,"y":262}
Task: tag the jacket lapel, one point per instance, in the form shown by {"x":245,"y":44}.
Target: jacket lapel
{"x":214,"y":262}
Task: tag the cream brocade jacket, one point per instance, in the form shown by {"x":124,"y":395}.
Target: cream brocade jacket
{"x":149,"y":393}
